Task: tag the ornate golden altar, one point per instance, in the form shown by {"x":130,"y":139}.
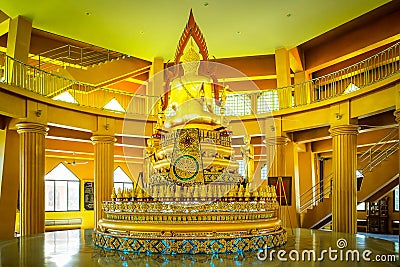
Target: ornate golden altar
{"x":195,"y":200}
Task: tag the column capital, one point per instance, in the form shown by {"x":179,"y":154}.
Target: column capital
{"x":344,"y":130}
{"x":32,"y":127}
{"x":397,"y":115}
{"x":277,"y":140}
{"x":107,"y":139}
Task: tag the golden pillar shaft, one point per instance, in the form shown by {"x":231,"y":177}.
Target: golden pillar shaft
{"x":276,"y":155}
{"x":32,"y":164}
{"x":397,"y":115}
{"x":344,"y":195}
{"x":276,"y":149}
{"x":103,"y":172}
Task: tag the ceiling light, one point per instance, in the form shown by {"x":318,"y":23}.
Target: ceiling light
{"x":205,"y":4}
{"x":288,"y":15}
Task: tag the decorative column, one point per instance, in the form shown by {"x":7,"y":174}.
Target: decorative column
{"x":32,"y":171}
{"x":276,"y":155}
{"x":103,"y":172}
{"x":397,"y":115}
{"x":276,"y":148}
{"x":344,"y":195}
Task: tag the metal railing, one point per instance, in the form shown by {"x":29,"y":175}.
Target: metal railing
{"x":380,"y":151}
{"x":371,"y":70}
{"x":316,"y":194}
{"x":73,"y":56}
{"x":30,"y":78}
{"x":374,"y":156}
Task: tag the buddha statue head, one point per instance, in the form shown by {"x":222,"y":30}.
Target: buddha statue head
{"x":191,"y":60}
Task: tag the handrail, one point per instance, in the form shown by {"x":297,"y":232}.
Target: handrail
{"x":314,"y":195}
{"x":379,"y":145}
{"x":27,"y":77}
{"x":366,"y":72}
{"x":381,"y":156}
{"x":379,"y":152}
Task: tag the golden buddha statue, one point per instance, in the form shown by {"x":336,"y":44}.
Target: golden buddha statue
{"x":191,"y":95}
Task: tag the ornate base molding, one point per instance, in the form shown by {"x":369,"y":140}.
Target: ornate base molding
{"x":173,"y":245}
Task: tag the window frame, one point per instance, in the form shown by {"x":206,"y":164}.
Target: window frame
{"x":123,"y":183}
{"x":67,"y":188}
{"x":264,"y":176}
{"x":365,"y":206}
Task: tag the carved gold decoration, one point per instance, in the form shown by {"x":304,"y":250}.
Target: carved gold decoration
{"x":194,"y":200}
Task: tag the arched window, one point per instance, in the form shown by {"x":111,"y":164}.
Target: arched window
{"x":62,"y":190}
{"x":121,"y":179}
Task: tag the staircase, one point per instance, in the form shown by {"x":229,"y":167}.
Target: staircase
{"x":382,"y":158}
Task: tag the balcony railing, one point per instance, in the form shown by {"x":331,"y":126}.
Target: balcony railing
{"x":369,"y":71}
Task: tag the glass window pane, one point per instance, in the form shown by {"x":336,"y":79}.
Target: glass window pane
{"x":241,"y":167}
{"x":128,"y":185}
{"x":49,"y":196}
{"x":268,"y":101}
{"x":73,"y":195}
{"x":361,"y":206}
{"x":396,"y":199}
{"x":60,"y":172}
{"x":120,"y":176}
{"x":118,"y":185}
{"x":264,"y":173}
{"x":61,"y":195}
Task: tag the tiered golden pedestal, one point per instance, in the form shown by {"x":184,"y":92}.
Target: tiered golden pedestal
{"x":194,"y":200}
{"x":237,"y":223}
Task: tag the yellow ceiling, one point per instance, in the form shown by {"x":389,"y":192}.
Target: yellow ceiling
{"x":151,"y":28}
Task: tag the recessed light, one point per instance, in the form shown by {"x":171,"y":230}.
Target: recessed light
{"x":288,"y":15}
{"x":141,"y":32}
{"x":88,"y":13}
{"x":238,"y":32}
{"x":205,"y":4}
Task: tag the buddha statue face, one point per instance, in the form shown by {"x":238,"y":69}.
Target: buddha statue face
{"x":191,"y":60}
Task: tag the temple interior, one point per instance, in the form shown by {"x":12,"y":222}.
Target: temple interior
{"x":224,"y":134}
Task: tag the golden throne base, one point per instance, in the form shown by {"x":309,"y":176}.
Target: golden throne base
{"x":177,"y":233}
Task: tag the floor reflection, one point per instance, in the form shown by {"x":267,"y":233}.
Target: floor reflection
{"x":75,"y":248}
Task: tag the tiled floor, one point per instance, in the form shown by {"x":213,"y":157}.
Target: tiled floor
{"x":75,"y":248}
{"x":392,"y":238}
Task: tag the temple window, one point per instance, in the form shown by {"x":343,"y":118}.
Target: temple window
{"x":114,"y":105}
{"x":241,"y":167}
{"x":62,"y":189}
{"x":264,"y":172}
{"x":361,"y":206}
{"x":237,"y":105}
{"x":351,"y":88}
{"x":66,"y":97}
{"x":267,"y":101}
{"x":121,"y":179}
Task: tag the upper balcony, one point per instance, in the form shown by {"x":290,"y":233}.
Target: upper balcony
{"x":341,"y":83}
